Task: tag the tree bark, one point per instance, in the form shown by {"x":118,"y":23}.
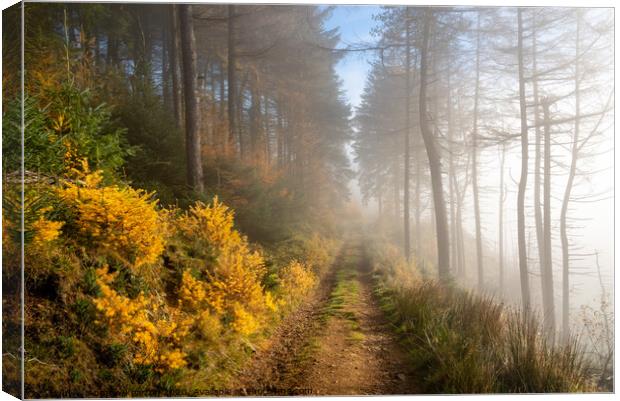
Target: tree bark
{"x":192,"y":117}
{"x":567,"y":193}
{"x":396,"y":189}
{"x":418,"y":189}
{"x":165,"y":68}
{"x":279,"y":138}
{"x":538,"y":219}
{"x":255,"y":124}
{"x":266,"y":133}
{"x":451,"y":174}
{"x":501,"y":219}
{"x":474,"y":166}
{"x":232,"y":82}
{"x":239,"y":99}
{"x":547,"y":267}
{"x":434,"y":160}
{"x":522,"y":243}
{"x":174,"y":65}
{"x":406,"y":205}
{"x":222,"y":81}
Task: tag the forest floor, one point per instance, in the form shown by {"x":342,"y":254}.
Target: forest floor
{"x":337,"y":343}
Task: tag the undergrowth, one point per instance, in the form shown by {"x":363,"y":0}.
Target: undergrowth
{"x":125,"y":297}
{"x":462,"y":343}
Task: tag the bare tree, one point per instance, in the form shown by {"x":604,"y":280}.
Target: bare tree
{"x":434,"y":158}
{"x":500,"y":224}
{"x":407,"y":178}
{"x":474,"y":163}
{"x":569,"y":186}
{"x":547,"y":265}
{"x":522,"y":243}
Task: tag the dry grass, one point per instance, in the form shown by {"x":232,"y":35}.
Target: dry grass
{"x":464,"y":343}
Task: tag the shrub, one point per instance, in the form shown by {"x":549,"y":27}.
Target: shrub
{"x":46,"y":230}
{"x":66,"y":125}
{"x":296,"y":282}
{"x":317,"y":252}
{"x":155,"y":332}
{"x":227,"y":278}
{"x":118,"y":221}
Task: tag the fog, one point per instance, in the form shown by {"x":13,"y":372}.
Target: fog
{"x":590,"y":210}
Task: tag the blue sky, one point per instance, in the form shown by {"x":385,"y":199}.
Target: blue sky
{"x":355,"y":24}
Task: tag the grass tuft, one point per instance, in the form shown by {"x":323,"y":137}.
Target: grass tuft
{"x":464,"y":343}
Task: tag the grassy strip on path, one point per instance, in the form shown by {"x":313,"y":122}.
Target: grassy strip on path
{"x":355,"y":352}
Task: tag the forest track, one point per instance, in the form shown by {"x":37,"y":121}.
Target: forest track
{"x":337,"y":343}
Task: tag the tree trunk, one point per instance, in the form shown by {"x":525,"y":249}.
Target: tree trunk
{"x":522,"y":243}
{"x":418,"y":189}
{"x":192,"y":117}
{"x":459,"y":231}
{"x":279,"y":137}
{"x":266,"y":134}
{"x":396,"y":190}
{"x":451,"y":174}
{"x":239,"y":99}
{"x":222,"y":81}
{"x":232,"y":82}
{"x":407,"y":233}
{"x":255,"y":125}
{"x":165,"y":68}
{"x":547,"y":267}
{"x":434,"y":160}
{"x":537,"y":203}
{"x":567,"y":192}
{"x":501,"y":219}
{"x":474,"y":166}
{"x":174,"y":65}
{"x":460,"y":197}
{"x":212,"y":144}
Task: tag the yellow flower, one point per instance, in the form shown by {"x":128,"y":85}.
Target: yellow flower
{"x":244,"y":323}
{"x":192,"y":291}
{"x":46,"y":230}
{"x":156,"y":341}
{"x":296,"y":281}
{"x":123,"y":221}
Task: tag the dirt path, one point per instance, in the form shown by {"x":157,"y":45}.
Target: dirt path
{"x":337,"y":343}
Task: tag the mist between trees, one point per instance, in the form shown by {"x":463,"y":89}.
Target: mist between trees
{"x":475,"y":119}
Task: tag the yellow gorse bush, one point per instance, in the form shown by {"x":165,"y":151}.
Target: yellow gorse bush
{"x":220,"y":287}
{"x":230,"y":282}
{"x":120,"y":220}
{"x":156,"y":341}
{"x":46,"y":230}
{"x":296,"y":281}
{"x":193,"y":292}
{"x":244,"y":323}
{"x":75,"y":165}
{"x":211,"y":224}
